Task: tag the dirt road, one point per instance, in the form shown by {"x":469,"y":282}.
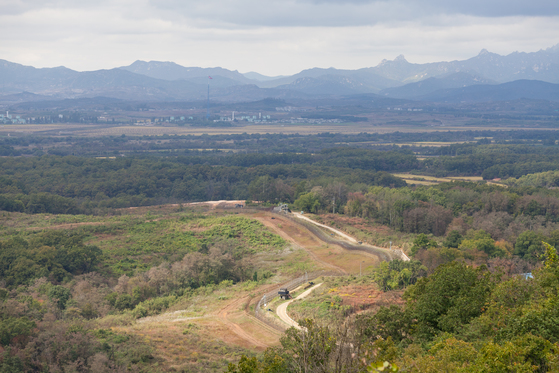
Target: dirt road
{"x":236,"y":328}
{"x":282,"y":308}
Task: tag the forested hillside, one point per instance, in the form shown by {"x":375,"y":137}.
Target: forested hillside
{"x":106,"y":259}
{"x":73,"y":184}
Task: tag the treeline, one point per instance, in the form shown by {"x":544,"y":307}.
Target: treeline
{"x":77,"y":184}
{"x":431,"y":210}
{"x":470,"y":222}
{"x":493,"y":161}
{"x":37,"y":203}
{"x":263,"y":143}
{"x":549,"y":179}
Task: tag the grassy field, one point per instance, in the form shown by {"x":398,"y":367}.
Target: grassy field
{"x":432,"y":180}
{"x":141,"y":238}
{"x":378,"y":124}
{"x":325,"y":256}
{"x":341,"y":296}
{"x":435,"y":144}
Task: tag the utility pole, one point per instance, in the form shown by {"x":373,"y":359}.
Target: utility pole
{"x":334,"y":205}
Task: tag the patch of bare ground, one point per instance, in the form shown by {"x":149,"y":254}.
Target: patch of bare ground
{"x":236,"y":318}
{"x":340,"y":298}
{"x":207,"y":346}
{"x":211,"y":331}
{"x":197,"y":344}
{"x":367,"y":296}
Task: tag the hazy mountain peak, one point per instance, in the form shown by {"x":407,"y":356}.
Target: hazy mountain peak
{"x":172,"y":71}
{"x":169,"y":80}
{"x":385,"y":62}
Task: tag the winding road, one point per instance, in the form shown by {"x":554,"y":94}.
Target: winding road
{"x":282,"y":308}
{"x":381,"y":252}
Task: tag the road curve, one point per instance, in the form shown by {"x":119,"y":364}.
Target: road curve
{"x":381,"y":252}
{"x":339,"y":233}
{"x":282,"y":308}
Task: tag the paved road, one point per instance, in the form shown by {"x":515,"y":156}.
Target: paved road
{"x":340,"y":233}
{"x":381,"y":252}
{"x":282,"y":308}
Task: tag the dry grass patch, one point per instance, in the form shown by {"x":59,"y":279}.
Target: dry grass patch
{"x":340,"y":297}
{"x":328,"y":256}
{"x":194,"y":347}
{"x":367,"y":230}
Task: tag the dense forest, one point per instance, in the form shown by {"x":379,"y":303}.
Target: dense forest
{"x":74,"y":184}
{"x":192,"y":145}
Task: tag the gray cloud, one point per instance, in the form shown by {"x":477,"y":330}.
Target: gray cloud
{"x":340,"y":13}
{"x":270,"y":36}
{"x":490,"y":8}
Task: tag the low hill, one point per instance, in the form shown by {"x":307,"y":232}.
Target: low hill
{"x":173,"y":71}
{"x":519,"y":89}
{"x":431,"y":85}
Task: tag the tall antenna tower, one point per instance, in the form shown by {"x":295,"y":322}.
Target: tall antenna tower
{"x":208,"y":111}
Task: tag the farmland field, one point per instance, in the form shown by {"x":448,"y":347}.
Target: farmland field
{"x":432,"y":180}
{"x":94,"y":130}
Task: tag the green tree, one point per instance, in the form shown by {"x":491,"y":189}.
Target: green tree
{"x":452,"y":296}
{"x":309,"y":202}
{"x":422,"y":242}
{"x":59,"y":295}
{"x":11,"y":328}
{"x":487,"y":245}
{"x":392,"y":322}
{"x":11,"y":363}
{"x":529,"y":245}
{"x":454,"y":239}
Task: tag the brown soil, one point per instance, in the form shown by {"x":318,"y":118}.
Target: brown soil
{"x":368,"y":296}
{"x":235,"y":310}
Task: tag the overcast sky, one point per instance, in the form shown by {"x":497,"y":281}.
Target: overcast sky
{"x":272,"y":37}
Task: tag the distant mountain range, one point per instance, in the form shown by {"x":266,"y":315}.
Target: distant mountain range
{"x":485,"y":77}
